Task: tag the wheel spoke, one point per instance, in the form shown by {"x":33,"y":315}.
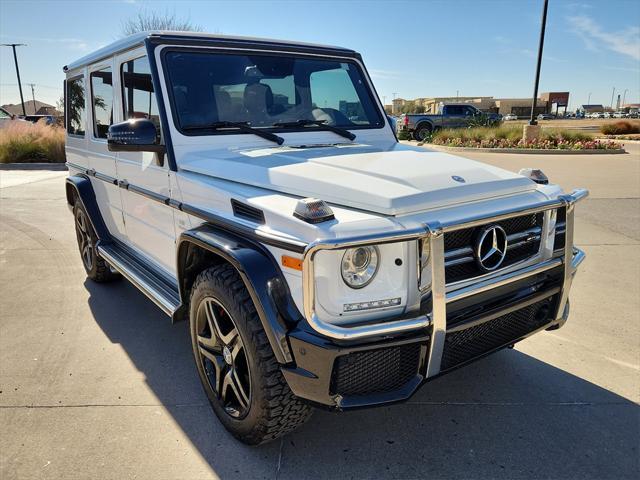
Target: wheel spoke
{"x":214,"y":324}
{"x":207,"y":342}
{"x":218,"y":364}
{"x":232,"y":382}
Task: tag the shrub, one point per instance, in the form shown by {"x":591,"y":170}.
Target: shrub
{"x":511,"y":137}
{"x":404,"y":135}
{"x":26,"y":142}
{"x":620,"y":128}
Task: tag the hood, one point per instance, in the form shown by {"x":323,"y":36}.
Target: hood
{"x":395,"y":180}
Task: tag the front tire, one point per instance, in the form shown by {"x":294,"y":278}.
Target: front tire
{"x":97,"y":269}
{"x":237,"y":368}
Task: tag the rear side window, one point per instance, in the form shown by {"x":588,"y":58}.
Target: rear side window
{"x":76,"y":114}
{"x":102,"y":100}
{"x":137,"y":91}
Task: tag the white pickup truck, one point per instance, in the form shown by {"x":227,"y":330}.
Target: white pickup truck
{"x":256,"y":189}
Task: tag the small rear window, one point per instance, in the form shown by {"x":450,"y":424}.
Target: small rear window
{"x":76,"y":112}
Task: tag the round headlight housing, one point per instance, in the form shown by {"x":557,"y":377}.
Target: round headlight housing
{"x":359,"y":266}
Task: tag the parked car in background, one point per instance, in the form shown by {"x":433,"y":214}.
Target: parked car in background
{"x":509,"y":117}
{"x":318,"y":261}
{"x":450,"y":115}
{"x":48,"y":119}
{"x":6,"y":118}
{"x":545,"y":116}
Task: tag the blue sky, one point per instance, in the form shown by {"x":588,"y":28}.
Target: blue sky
{"x":411,"y":48}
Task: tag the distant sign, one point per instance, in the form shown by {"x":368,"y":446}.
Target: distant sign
{"x":561,"y":99}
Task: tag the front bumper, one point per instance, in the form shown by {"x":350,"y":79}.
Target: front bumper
{"x":349,"y":367}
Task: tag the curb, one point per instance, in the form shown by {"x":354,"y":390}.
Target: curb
{"x":537,"y":151}
{"x":58,"y":167}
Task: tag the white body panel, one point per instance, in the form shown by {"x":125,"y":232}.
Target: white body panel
{"x":373,"y":185}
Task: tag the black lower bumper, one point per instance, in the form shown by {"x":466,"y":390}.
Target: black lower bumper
{"x":346,"y":375}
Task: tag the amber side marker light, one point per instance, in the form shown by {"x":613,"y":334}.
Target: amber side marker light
{"x":291,"y":262}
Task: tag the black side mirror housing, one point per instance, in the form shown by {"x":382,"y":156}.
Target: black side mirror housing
{"x":135,"y":135}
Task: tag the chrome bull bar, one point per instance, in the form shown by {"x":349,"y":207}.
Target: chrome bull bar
{"x":434,"y":233}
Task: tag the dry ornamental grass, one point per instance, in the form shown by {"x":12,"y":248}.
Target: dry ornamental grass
{"x":26,"y":142}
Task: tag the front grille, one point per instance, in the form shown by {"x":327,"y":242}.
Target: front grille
{"x":464,"y":345}
{"x":524,"y":234}
{"x":375,"y":371}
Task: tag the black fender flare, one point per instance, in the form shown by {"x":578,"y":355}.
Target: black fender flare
{"x":259,"y":272}
{"x":81,"y":184}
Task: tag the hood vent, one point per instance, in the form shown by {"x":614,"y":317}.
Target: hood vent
{"x":242,"y":210}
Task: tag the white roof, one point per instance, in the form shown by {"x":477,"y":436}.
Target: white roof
{"x":138,"y":39}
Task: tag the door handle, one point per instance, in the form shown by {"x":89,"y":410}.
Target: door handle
{"x":123,"y":184}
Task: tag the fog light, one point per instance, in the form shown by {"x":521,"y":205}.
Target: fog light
{"x":354,"y":307}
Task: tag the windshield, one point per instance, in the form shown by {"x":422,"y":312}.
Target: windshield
{"x":263,"y":90}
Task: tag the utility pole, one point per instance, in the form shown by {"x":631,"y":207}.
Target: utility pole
{"x":589,"y":99}
{"x":15,"y":59}
{"x":33,"y":96}
{"x":384,"y":100}
{"x":394,"y":95}
{"x":624,"y":96}
{"x":612,"y":94}
{"x":534,"y":100}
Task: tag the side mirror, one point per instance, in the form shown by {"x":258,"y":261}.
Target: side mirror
{"x":137,"y":135}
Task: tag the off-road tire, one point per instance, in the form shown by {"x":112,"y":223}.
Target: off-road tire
{"x":97,"y":269}
{"x":422,"y":132}
{"x":273,"y":409}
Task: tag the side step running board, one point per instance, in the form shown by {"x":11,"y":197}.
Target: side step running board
{"x":159,"y":290}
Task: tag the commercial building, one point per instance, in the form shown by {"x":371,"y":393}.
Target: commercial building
{"x":547,"y":103}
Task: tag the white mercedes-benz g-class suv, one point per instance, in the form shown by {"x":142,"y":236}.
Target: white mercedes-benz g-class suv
{"x":256,"y":189}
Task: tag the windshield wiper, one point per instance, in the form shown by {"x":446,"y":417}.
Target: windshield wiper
{"x":242,"y":126}
{"x":343,"y":132}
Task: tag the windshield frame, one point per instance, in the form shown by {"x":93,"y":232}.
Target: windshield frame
{"x":368,"y":86}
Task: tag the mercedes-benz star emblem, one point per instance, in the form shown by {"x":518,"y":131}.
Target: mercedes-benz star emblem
{"x":491,"y":247}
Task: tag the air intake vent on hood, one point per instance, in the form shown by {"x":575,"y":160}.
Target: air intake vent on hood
{"x":242,"y":210}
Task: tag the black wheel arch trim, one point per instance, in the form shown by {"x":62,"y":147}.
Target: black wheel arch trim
{"x":81,"y":185}
{"x":259,"y":272}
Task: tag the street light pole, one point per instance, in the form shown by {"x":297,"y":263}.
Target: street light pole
{"x":612,"y":94}
{"x":589,"y":99}
{"x":534,"y":100}
{"x":15,"y":59}
{"x":624,"y":96}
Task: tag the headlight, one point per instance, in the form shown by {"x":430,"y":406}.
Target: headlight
{"x":359,"y":266}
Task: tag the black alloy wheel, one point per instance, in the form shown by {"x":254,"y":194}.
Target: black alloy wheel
{"x":223,"y":357}
{"x":85,"y":242}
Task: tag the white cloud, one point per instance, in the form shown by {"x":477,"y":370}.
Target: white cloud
{"x":70,"y":43}
{"x":625,"y":42}
{"x":384,"y":74}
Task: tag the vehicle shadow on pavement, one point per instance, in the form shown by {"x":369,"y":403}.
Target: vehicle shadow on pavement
{"x":507,"y":416}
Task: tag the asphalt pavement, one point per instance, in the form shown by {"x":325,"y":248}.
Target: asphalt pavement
{"x":95,"y":382}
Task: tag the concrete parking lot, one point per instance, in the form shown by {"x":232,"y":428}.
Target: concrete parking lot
{"x":95,"y":382}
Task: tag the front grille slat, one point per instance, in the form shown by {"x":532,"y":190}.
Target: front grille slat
{"x":375,"y":371}
{"x":523,"y":233}
{"x":464,"y":345}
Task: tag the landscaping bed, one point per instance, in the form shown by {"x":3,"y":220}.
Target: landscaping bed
{"x":510,"y":137}
{"x":26,"y":142}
